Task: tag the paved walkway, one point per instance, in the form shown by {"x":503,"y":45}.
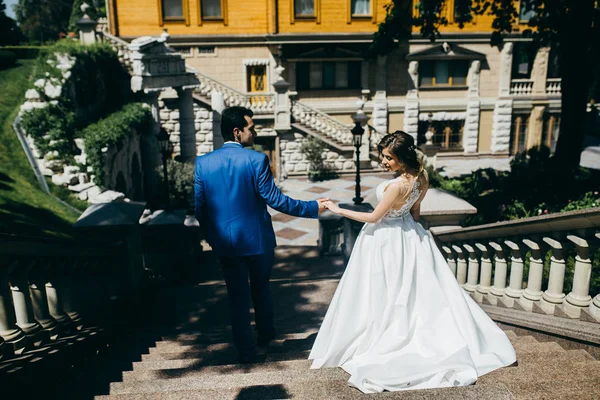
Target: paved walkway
{"x":305,"y":232}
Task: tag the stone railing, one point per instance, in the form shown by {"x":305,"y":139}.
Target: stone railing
{"x":521,"y":87}
{"x":553,"y":86}
{"x":259,"y":103}
{"x":480,"y":256}
{"x":50,"y":289}
{"x":121,"y":47}
{"x":322,"y":123}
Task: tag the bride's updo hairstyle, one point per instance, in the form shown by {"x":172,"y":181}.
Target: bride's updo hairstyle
{"x":402,"y":145}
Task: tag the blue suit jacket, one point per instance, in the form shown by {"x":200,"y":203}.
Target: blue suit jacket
{"x":232,"y":188}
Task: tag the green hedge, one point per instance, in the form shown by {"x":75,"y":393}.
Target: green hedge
{"x":8,"y":59}
{"x":110,"y":131}
{"x":25,"y":52}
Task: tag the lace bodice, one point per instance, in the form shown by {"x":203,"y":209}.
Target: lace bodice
{"x":405,"y":209}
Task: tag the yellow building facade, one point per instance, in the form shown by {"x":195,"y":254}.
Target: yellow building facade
{"x":464,"y":100}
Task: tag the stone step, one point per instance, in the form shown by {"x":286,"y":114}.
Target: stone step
{"x":537,"y":347}
{"x":563,"y":355}
{"x":580,"y":389}
{"x":190,"y":342}
{"x":559,"y":370}
{"x":330,"y":390}
{"x":511,"y":334}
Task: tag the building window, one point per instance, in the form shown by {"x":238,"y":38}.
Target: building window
{"x":304,"y":8}
{"x":523,"y":57}
{"x":527,"y":10}
{"x":205,"y":51}
{"x":361,"y":7}
{"x":519,"y":133}
{"x":211,"y":9}
{"x":172,"y":10}
{"x":257,"y":78}
{"x":328,"y":75}
{"x":185,"y":51}
{"x":551,"y":130}
{"x":443,"y":73}
{"x":446,"y":134}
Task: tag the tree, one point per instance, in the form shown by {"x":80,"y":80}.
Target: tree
{"x":10,"y":34}
{"x":96,"y":10}
{"x":43,"y":20}
{"x":572,"y":28}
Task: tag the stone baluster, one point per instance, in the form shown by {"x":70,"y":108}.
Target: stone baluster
{"x":485,"y":280}
{"x":67,"y":293}
{"x":592,"y":314}
{"x":501,"y":266}
{"x":555,"y":294}
{"x":473,"y":270}
{"x":450,"y":259}
{"x":579,"y":298}
{"x":533,"y":293}
{"x":12,"y":338}
{"x":54,"y":293}
{"x":23,"y":307}
{"x":461,"y":266}
{"x":515,"y":285}
{"x":39,"y":300}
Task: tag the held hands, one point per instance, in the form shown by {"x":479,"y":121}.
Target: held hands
{"x":331,"y":206}
{"x":321,"y":203}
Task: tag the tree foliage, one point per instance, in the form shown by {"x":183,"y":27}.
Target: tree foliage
{"x":96,"y":10}
{"x":572,"y":28}
{"x":43,"y":20}
{"x":10,"y":34}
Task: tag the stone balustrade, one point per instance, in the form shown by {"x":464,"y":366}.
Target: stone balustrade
{"x":553,"y":86}
{"x":122,"y":49}
{"x":521,"y":87}
{"x":51,"y":288}
{"x":322,"y":123}
{"x":489,"y":262}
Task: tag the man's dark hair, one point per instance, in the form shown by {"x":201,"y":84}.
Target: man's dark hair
{"x":233,"y":117}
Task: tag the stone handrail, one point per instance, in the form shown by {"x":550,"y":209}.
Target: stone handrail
{"x":121,"y":47}
{"x":473,"y":253}
{"x":521,"y":87}
{"x":322,"y":123}
{"x":46,"y":283}
{"x":553,"y":86}
{"x":260,"y":103}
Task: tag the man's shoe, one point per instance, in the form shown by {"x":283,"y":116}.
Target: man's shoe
{"x":264,"y":340}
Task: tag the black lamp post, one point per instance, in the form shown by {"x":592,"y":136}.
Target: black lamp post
{"x":165,"y":152}
{"x":359,"y":119}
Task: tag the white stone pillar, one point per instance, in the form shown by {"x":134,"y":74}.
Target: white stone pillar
{"x":54,"y":295}
{"x":501,"y":266}
{"x":461,"y":266}
{"x":282,"y":106}
{"x":502,"y":121}
{"x":411,"y":108}
{"x":473,"y":270}
{"x":218,"y":105}
{"x":39,"y":302}
{"x":67,"y":300}
{"x":579,"y":298}
{"x":539,"y":71}
{"x":554,"y":295}
{"x":515,"y":285}
{"x":485,"y":280}
{"x":186,"y":125}
{"x":533,"y":293}
{"x":471,"y":130}
{"x":380,"y":112}
{"x":450,"y":259}
{"x":504,"y":80}
{"x":12,"y":337}
{"x":592,"y":314}
{"x":24,"y":309}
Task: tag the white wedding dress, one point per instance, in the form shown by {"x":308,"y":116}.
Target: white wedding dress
{"x":399,"y":320}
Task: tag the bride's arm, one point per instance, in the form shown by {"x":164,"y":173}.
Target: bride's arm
{"x":390,"y":196}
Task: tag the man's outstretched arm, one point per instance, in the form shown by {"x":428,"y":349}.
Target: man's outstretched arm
{"x":199,"y":196}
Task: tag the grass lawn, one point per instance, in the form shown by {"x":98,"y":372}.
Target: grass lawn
{"x":24,"y":208}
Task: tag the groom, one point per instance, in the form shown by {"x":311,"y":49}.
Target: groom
{"x":233,"y":187}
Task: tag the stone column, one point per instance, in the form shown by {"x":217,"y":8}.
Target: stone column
{"x":411,"y":108}
{"x":554,"y":295}
{"x":497,"y":291}
{"x":539,"y":72}
{"x":515,"y":285}
{"x":592,"y":314}
{"x":473,"y":268}
{"x":54,"y":291}
{"x":485,"y":281}
{"x":533,"y":293}
{"x":12,"y":338}
{"x":217,"y":105}
{"x":471,"y":130}
{"x":23,"y":307}
{"x":150,"y":156}
{"x":536,"y":127}
{"x":461,"y":266}
{"x":579,"y":298}
{"x":39,"y":301}
{"x":282,"y":106}
{"x":67,"y":301}
{"x":186,"y":125}
{"x":450,"y":259}
{"x":503,"y":109}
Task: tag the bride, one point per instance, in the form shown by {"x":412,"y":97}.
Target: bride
{"x":398,"y":319}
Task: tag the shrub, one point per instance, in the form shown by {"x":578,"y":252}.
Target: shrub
{"x":313,"y":149}
{"x":181,"y":184}
{"x":25,"y":52}
{"x":110,"y":131}
{"x":8,"y":59}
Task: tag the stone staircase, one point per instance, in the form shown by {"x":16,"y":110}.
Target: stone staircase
{"x":193,"y":359}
